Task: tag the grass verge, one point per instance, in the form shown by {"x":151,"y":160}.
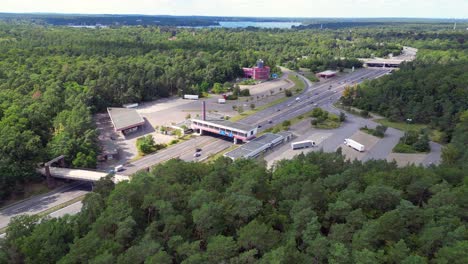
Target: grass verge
{"x":299,"y":84}
{"x":220,"y":154}
{"x":328,"y":124}
{"x":371,"y":132}
{"x":260,"y":108}
{"x":60,"y":206}
{"x":311,"y":76}
{"x":400,"y":125}
{"x":404,"y":148}
{"x":53,"y":209}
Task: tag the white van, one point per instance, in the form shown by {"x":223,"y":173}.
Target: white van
{"x":118,"y":168}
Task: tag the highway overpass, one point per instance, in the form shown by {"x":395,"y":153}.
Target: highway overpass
{"x":382,"y":63}
{"x":81,"y":175}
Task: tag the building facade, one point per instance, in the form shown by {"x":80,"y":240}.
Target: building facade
{"x":259,"y":72}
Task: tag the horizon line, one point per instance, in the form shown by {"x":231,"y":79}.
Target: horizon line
{"x":135,"y":14}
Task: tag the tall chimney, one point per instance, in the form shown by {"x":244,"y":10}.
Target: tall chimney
{"x":204,"y":110}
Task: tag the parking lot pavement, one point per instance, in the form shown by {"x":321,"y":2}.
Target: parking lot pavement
{"x":434,"y":157}
{"x":363,"y":138}
{"x":403,"y":159}
{"x":285,"y":151}
{"x":384,"y":147}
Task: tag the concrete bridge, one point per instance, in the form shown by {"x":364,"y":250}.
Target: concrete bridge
{"x":80,"y":175}
{"x":382,"y":63}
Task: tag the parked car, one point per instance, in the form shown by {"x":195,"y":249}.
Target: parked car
{"x":198,"y":149}
{"x":197,"y":154}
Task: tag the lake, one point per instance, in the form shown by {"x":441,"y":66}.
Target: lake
{"x":244,"y":24}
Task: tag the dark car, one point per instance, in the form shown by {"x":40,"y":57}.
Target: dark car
{"x":198,"y":149}
{"x":270,"y":121}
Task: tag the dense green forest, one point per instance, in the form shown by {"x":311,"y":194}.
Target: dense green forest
{"x":433,"y":94}
{"x":52,"y":79}
{"x":316,"y":208}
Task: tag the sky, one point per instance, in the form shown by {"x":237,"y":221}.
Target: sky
{"x":255,"y":8}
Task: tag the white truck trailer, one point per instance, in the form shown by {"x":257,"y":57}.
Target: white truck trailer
{"x":302,"y":144}
{"x":191,"y":96}
{"x":353,"y":144}
{"x":221,"y":101}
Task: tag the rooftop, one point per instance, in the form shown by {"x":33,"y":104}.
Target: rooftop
{"x":123,"y":118}
{"x":327,"y":72}
{"x":228,"y":124}
{"x":254,"y":145}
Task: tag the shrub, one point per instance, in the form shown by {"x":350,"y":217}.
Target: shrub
{"x":314,"y":122}
{"x":364,"y":113}
{"x":288,"y":93}
{"x":317,"y":112}
{"x":403,"y":148}
{"x":245,"y":92}
{"x":146,"y":145}
{"x":422,"y":144}
{"x":286,"y":123}
{"x":380,"y":131}
{"x":231,"y":97}
{"x":334,"y":118}
{"x":342,"y":117}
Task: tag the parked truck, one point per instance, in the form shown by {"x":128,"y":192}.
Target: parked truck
{"x":191,"y":96}
{"x":221,"y":101}
{"x":302,"y":144}
{"x":353,"y":144}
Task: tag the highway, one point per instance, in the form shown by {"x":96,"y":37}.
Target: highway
{"x":313,"y":93}
{"x":317,"y":93}
{"x":44,"y":202}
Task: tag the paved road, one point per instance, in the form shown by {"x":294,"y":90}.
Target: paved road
{"x":71,"y":210}
{"x":43,"y":202}
{"x":319,"y":93}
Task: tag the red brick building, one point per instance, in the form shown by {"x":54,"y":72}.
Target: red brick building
{"x":259,"y":72}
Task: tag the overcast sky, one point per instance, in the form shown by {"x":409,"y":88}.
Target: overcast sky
{"x":257,"y":8}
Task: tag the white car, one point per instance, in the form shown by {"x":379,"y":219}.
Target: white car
{"x":197,"y":154}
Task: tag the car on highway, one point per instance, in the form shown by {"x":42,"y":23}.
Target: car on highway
{"x":259,"y":126}
{"x":270,"y":121}
{"x":197,"y":154}
{"x":119,"y":168}
{"x":289,"y":104}
{"x":198,"y":150}
{"x":315,"y":104}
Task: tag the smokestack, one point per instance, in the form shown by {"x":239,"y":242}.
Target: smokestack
{"x":204,"y":110}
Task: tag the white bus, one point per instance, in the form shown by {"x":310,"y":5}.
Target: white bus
{"x":302,"y":144}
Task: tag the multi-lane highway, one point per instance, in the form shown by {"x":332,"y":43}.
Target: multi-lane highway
{"x":312,"y":94}
{"x":44,"y":202}
{"x":317,"y":94}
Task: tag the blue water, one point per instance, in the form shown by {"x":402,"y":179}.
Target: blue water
{"x":244,"y":24}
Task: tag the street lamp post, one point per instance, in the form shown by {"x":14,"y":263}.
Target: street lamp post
{"x":408,"y":121}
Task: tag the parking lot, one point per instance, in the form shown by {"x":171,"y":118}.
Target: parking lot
{"x":331,"y":139}
{"x":365,"y":139}
{"x":171,"y":111}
